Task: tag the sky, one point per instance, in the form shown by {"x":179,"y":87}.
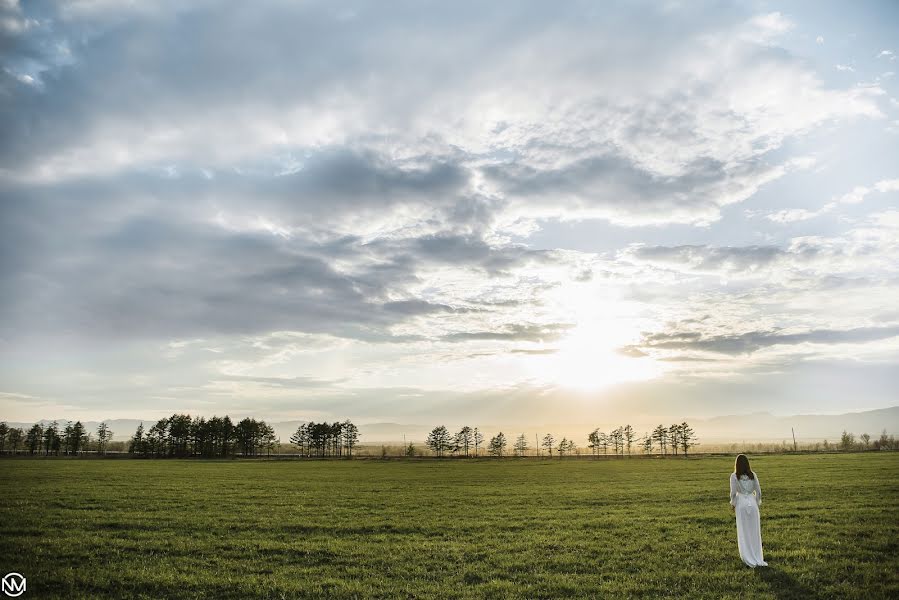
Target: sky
{"x":505,"y":212}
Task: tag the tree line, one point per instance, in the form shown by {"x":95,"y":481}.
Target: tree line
{"x":326,"y":439}
{"x":182,"y":436}
{"x":71,"y":439}
{"x":674,"y":439}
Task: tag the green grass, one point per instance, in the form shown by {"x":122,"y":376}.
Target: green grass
{"x":451,"y":529}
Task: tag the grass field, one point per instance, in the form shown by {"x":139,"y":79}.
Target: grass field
{"x":452,"y":529}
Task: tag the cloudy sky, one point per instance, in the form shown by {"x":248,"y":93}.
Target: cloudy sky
{"x":411,"y":212}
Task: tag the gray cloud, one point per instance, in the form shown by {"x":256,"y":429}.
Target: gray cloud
{"x":749,"y":342}
{"x":514,"y":332}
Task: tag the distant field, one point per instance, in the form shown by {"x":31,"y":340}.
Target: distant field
{"x":454,"y":529}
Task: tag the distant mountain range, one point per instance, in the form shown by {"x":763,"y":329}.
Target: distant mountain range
{"x":752,"y":427}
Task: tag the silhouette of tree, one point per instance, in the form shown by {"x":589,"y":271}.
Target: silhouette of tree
{"x":439,"y":440}
{"x":498,"y":444}
{"x":350,"y":436}
{"x":33,"y":438}
{"x":15,"y":436}
{"x":464,"y":440}
{"x":674,"y":437}
{"x":521,"y":445}
{"x":52,"y":443}
{"x":138,"y":444}
{"x":687,"y":437}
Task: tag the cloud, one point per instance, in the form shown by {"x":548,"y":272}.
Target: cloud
{"x":856,"y":196}
{"x":752,"y":341}
{"x":294,"y":199}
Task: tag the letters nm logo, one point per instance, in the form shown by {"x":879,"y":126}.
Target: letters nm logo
{"x":13,"y":585}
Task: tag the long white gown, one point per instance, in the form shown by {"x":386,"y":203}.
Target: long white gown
{"x":746,"y":497}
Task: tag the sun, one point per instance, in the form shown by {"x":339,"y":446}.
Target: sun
{"x":589,"y":357}
{"x":588,"y":360}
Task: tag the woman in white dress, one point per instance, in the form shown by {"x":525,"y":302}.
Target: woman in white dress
{"x":745,"y":499}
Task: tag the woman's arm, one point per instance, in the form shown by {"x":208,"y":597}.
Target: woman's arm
{"x":758,"y":491}
{"x":733,"y":489}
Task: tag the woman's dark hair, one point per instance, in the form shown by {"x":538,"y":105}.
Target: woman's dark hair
{"x":741,"y":467}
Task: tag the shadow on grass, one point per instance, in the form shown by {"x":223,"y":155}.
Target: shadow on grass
{"x":783,"y":585}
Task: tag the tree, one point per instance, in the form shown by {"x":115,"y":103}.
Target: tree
{"x":478,"y":440}
{"x":464,"y":439}
{"x":548,"y":441}
{"x":104,"y":435}
{"x":33,"y":438}
{"x":15,"y":436}
{"x":78,"y":438}
{"x":604,"y":442}
{"x":439,"y":440}
{"x":674,"y":437}
{"x":628,"y":437}
{"x":137,"y":442}
{"x":616,"y":439}
{"x":300,"y":439}
{"x":562,"y":447}
{"x":4,"y":434}
{"x":647,"y":443}
{"x":350,"y":437}
{"x":267,"y":437}
{"x":410,"y":450}
{"x":687,"y":437}
{"x":498,"y":444}
{"x":866,"y":440}
{"x":660,"y":435}
{"x":52,"y":443}
{"x":571,"y":447}
{"x":593,"y":441}
{"x":521,"y":445}
{"x":847,"y":440}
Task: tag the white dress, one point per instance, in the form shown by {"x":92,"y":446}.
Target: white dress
{"x":746,"y":497}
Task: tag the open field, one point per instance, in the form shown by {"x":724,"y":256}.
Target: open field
{"x":454,"y":529}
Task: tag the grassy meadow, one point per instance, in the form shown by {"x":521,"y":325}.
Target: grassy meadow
{"x":447,"y":529}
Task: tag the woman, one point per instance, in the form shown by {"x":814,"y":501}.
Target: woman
{"x":745,"y":499}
